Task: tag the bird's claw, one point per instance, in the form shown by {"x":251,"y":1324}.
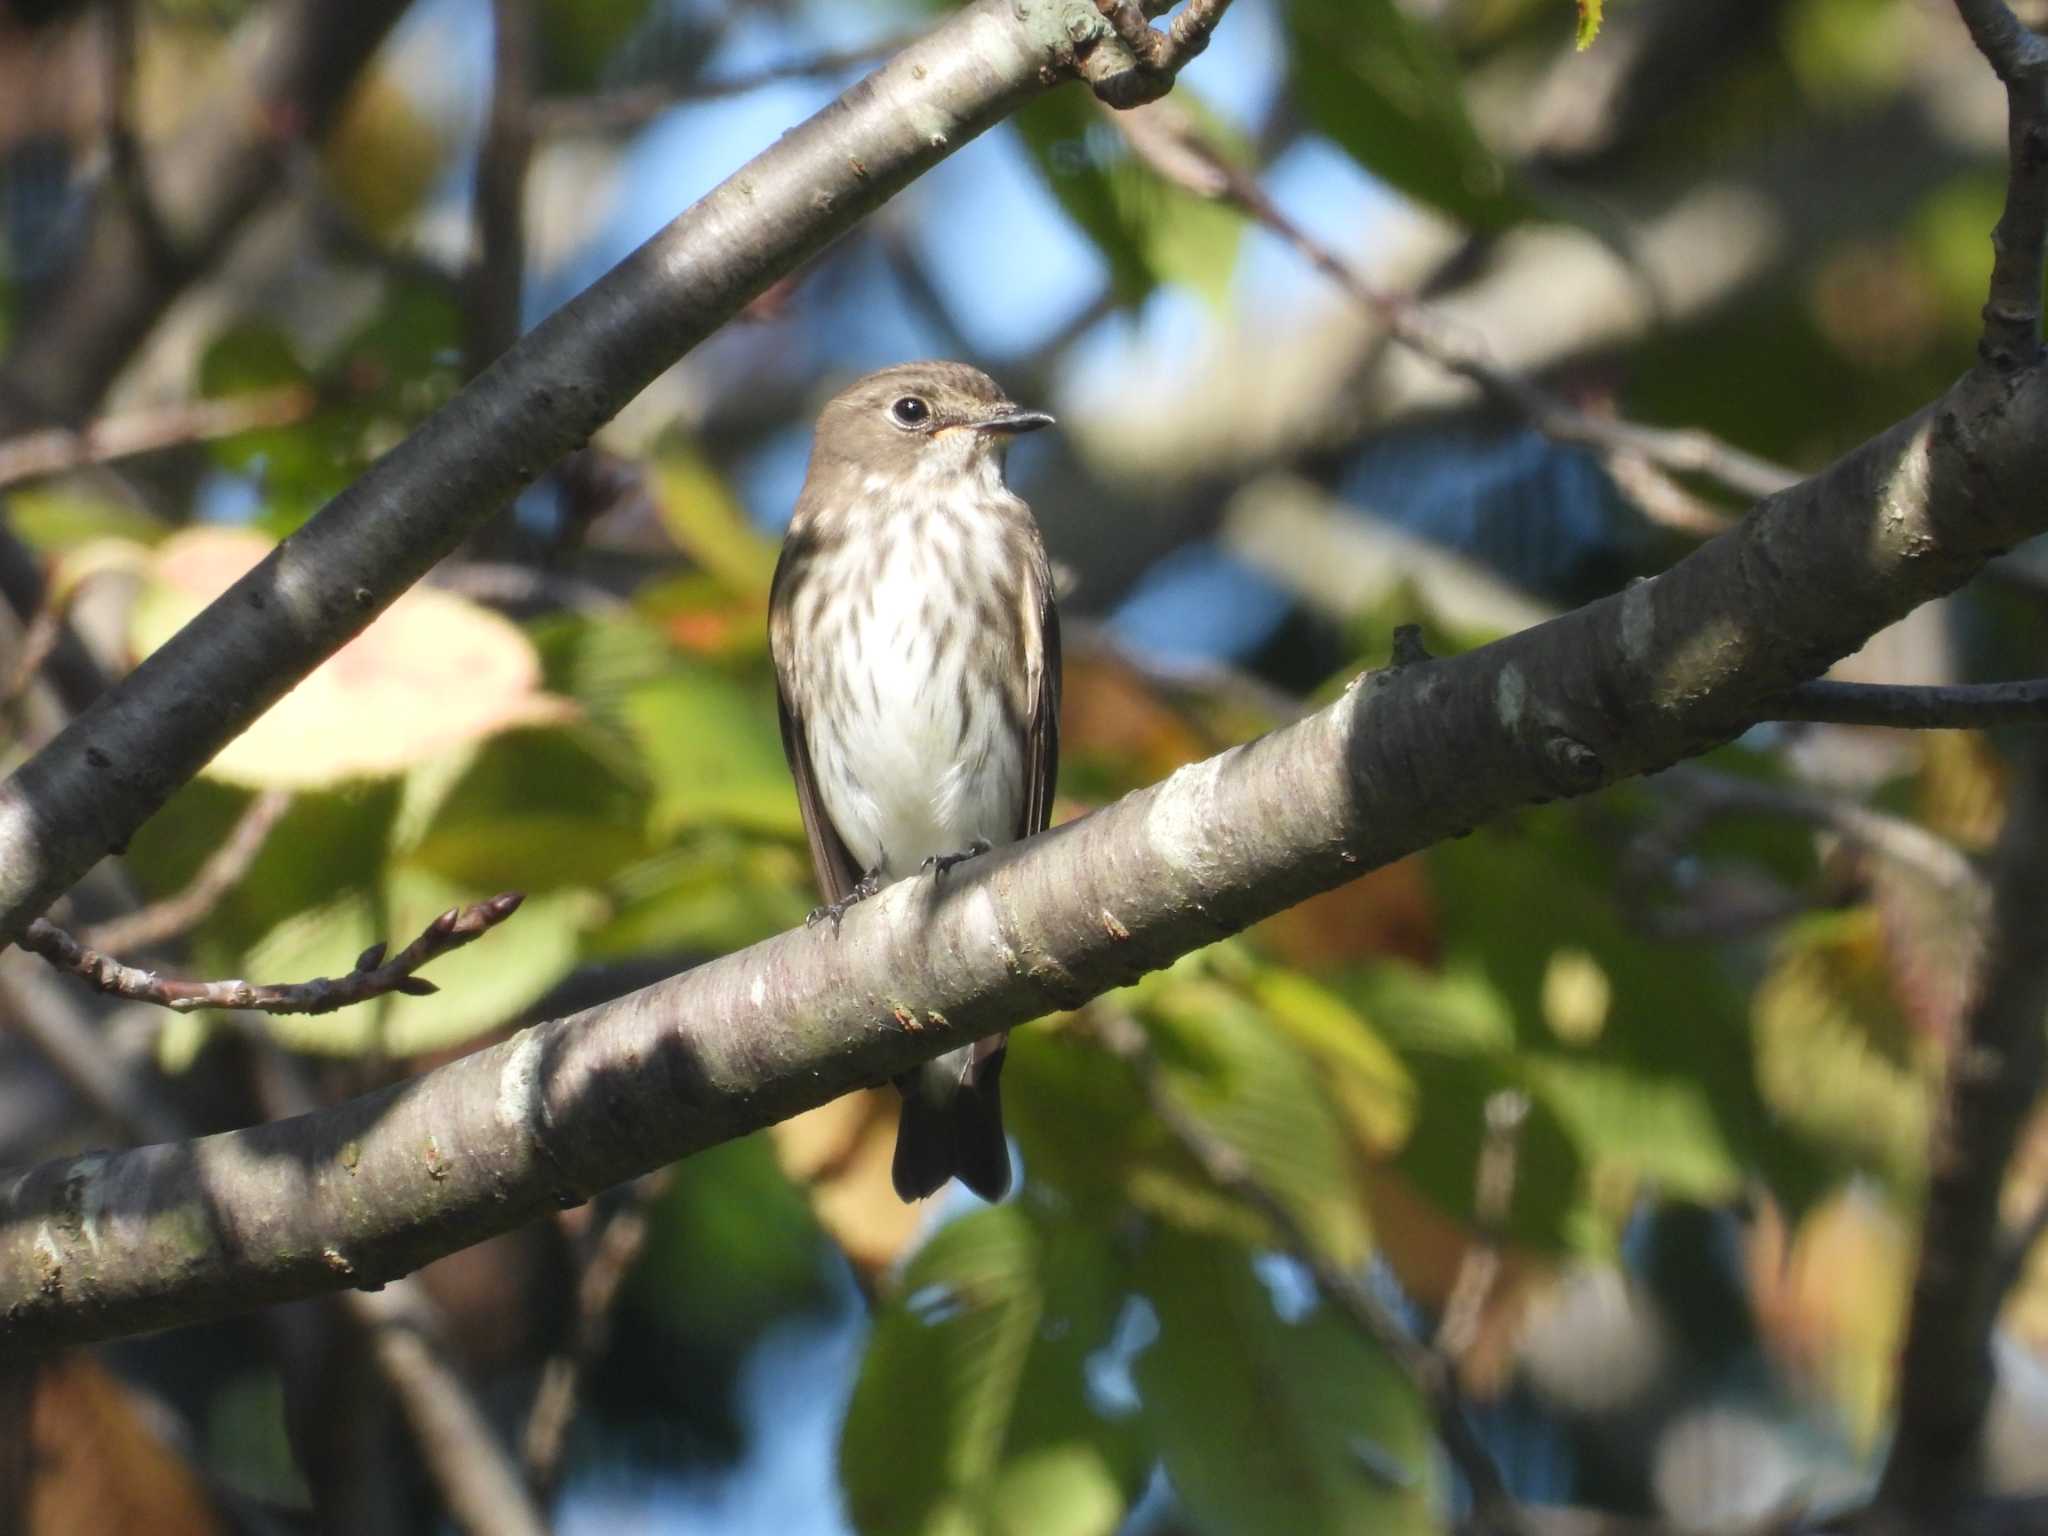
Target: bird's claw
{"x":939,"y":863}
{"x":863,"y":888}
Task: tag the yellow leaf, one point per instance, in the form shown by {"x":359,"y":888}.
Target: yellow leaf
{"x":434,"y":672}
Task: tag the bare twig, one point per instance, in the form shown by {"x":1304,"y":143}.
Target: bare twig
{"x":611,"y":1255}
{"x":620,"y":110}
{"x":1159,"y":55}
{"x":1143,"y":68}
{"x":1994,"y":1080}
{"x":497,"y":271}
{"x":50,"y":1016}
{"x":1903,"y":842}
{"x":186,"y":909}
{"x":38,"y":640}
{"x":1495,"y":1510}
{"x":1953,"y":706}
{"x":1174,"y":145}
{"x":53,"y":450}
{"x":477,"y":1479}
{"x":2012,"y":313}
{"x":1507,"y":1111}
{"x":374,"y":976}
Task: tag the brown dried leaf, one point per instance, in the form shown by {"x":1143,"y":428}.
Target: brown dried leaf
{"x":840,"y":1153}
{"x":99,"y":1466}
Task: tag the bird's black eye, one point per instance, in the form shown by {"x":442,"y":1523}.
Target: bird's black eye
{"x":911,"y":411}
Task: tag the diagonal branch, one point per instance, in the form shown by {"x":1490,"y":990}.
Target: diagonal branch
{"x":184,"y":910}
{"x":2012,"y":315}
{"x":105,"y":1244}
{"x":114,"y":1243}
{"x":1174,"y":145}
{"x":87,"y":792}
{"x":1429,"y":1371}
{"x":1995,"y":1079}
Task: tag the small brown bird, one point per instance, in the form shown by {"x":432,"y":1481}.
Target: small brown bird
{"x":917,"y":661}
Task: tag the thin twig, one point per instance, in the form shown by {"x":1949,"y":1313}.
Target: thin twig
{"x":374,"y":975}
{"x":621,"y":110}
{"x":612,"y":1252}
{"x":1950,"y":706}
{"x":1903,"y":842}
{"x":1174,"y":145}
{"x":476,"y":1477}
{"x":53,"y":450}
{"x":1507,"y":1111}
{"x":471,"y":1467}
{"x":2012,"y":313}
{"x":128,"y":167}
{"x":1495,"y":1509}
{"x":184,"y":910}
{"x":1994,"y":1081}
{"x":39,"y":640}
{"x":496,"y":278}
{"x":1156,"y":56}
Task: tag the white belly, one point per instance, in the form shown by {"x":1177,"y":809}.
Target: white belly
{"x":914,"y":761}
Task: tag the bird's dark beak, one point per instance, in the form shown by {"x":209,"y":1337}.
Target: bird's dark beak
{"x":1013,"y":418}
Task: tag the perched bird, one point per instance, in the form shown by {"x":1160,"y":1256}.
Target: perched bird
{"x":917,"y":662}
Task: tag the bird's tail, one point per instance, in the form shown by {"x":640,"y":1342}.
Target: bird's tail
{"x":952,"y":1125}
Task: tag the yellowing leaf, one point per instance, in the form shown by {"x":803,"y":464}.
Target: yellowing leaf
{"x":707,"y":522}
{"x":433,"y":672}
{"x":840,"y":1154}
{"x":1589,"y":23}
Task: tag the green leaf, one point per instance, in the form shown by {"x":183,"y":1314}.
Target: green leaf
{"x":716,"y":893}
{"x":1548,"y":1210}
{"x":1589,"y":23}
{"x":1529,"y":906}
{"x":1253,"y":1085}
{"x":1836,"y":1055}
{"x":713,"y":751}
{"x":731,"y":1247}
{"x":534,"y":810}
{"x":1148,"y":230}
{"x":972,"y":1414}
{"x":1381,"y":85}
{"x":1271,"y":1426}
{"x":1364,"y":1074}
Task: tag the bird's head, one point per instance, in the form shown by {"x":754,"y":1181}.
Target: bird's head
{"x":919,"y":422}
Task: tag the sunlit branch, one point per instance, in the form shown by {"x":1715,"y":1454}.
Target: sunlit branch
{"x":374,"y":974}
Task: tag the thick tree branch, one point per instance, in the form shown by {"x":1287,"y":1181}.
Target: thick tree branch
{"x":86,"y":793}
{"x":1995,"y":1080}
{"x":114,"y":1243}
{"x":374,"y":975}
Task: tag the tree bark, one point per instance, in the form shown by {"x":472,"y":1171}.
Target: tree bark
{"x":107,"y":1244}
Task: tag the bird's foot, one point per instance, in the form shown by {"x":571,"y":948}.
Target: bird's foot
{"x":939,"y":863}
{"x":863,"y":888}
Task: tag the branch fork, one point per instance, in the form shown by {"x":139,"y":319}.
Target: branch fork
{"x":1144,"y":67}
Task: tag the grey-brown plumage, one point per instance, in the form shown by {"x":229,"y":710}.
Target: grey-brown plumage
{"x":917,"y":658}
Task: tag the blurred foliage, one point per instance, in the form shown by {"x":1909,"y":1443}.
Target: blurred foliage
{"x":1120,"y":1336}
